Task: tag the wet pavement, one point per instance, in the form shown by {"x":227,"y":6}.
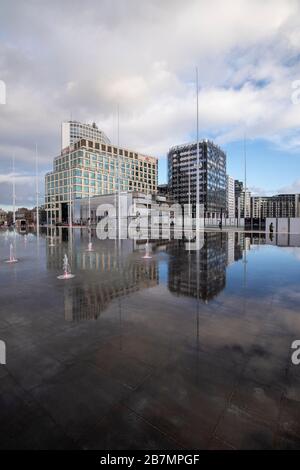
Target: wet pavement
{"x":186,"y":350}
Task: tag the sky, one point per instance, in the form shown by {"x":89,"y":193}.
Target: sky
{"x":72,"y":59}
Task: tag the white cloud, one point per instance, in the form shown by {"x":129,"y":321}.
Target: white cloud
{"x":71,"y":58}
{"x":18,"y":178}
{"x":292,"y":188}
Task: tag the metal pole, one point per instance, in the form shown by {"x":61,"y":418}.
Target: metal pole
{"x":70,"y":189}
{"x":37,"y":192}
{"x":89,"y":205}
{"x":197,"y":185}
{"x":189,"y":189}
{"x":245,"y":178}
{"x":245,"y":162}
{"x":119,"y":179}
{"x":14,"y":193}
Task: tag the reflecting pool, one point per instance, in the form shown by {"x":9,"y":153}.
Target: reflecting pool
{"x":188,"y":349}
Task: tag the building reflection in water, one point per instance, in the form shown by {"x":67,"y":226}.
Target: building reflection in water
{"x":202,"y":276}
{"x":89,"y":299}
{"x":115,"y":269}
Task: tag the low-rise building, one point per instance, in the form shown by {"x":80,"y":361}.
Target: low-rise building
{"x":3,"y":217}
{"x":132,"y":204}
{"x":278,"y":206}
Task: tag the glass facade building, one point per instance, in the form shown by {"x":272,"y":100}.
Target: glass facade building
{"x":182,"y":175}
{"x":71,"y":131}
{"x":88,"y":168}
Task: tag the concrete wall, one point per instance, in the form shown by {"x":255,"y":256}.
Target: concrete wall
{"x":286,"y":231}
{"x":284,"y":225}
{"x":270,"y":221}
{"x":226,"y":222}
{"x":295,"y":225}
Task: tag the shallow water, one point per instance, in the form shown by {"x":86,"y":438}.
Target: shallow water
{"x":184,"y":350}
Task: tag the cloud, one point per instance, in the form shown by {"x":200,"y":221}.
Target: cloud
{"x":68,"y":58}
{"x":19,"y":178}
{"x":258,"y":191}
{"x":293,"y":188}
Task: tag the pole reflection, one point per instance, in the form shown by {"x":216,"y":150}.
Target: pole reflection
{"x":115,"y":269}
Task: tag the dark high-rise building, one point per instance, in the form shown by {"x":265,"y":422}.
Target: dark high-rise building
{"x":182,"y":173}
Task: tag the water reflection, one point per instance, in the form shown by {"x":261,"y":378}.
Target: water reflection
{"x":215,"y":325}
{"x":116,"y":269}
{"x":91,"y":297}
{"x":202,"y":276}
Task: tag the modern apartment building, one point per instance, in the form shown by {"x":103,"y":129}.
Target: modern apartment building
{"x":281,"y":205}
{"x":246,"y":204}
{"x":230,"y":198}
{"x":90,"y":167}
{"x":242,"y":199}
{"x":182,"y":175}
{"x":71,"y":131}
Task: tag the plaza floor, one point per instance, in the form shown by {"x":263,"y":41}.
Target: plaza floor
{"x":186,"y":350}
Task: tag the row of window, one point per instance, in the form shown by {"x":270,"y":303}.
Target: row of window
{"x":102,"y":157}
{"x":63,"y":178}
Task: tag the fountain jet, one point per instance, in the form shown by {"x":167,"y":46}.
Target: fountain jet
{"x":12,"y":258}
{"x":67,"y":270}
{"x":147,"y":254}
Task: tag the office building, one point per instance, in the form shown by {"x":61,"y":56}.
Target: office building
{"x":238,"y":189}
{"x":3,"y":217}
{"x":245,"y":204}
{"x":182,"y":175}
{"x":163,"y":189}
{"x":242,"y":199}
{"x":71,"y":131}
{"x":88,"y":168}
{"x":281,"y":205}
{"x":230,"y":197}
